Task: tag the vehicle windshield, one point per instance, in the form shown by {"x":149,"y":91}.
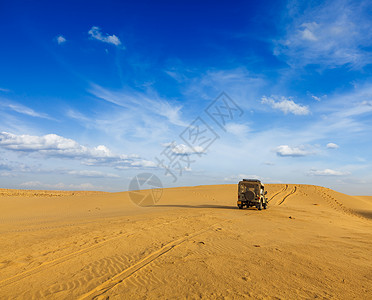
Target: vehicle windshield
{"x":249,"y":187}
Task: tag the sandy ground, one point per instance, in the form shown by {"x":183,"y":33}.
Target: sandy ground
{"x":311,"y":242}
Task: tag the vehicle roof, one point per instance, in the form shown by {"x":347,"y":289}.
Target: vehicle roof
{"x":251,"y":181}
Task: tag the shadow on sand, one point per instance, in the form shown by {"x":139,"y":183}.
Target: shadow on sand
{"x":196,"y":206}
{"x":365,"y":213}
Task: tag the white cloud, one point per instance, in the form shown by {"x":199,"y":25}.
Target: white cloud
{"x":331,"y":33}
{"x":332,"y":146}
{"x":179,"y":77}
{"x":95,"y":32}
{"x":141,"y":104}
{"x":144,"y":163}
{"x":285,"y":105}
{"x":58,"y":186}
{"x":14,"y":168}
{"x":89,"y":173}
{"x":343,"y":115}
{"x":4,"y":90}
{"x":356,"y":109}
{"x":61,"y":39}
{"x":181,"y":149}
{"x":31,"y":184}
{"x":236,"y":178}
{"x":237,"y":129}
{"x":240,"y":83}
{"x":327,"y":172}
{"x":8,"y":174}
{"x":315,"y":97}
{"x":19,"y":108}
{"x":307,"y":33}
{"x":285,"y":150}
{"x":52,"y":145}
{"x":73,"y":114}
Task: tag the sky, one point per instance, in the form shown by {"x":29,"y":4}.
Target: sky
{"x":96,"y":93}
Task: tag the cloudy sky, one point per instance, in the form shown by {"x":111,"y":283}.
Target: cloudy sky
{"x":196,"y":92}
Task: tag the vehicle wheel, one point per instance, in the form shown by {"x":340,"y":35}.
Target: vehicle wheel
{"x":240,"y":206}
{"x":259,"y":206}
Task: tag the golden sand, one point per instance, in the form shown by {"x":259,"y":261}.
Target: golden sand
{"x":312,"y":242}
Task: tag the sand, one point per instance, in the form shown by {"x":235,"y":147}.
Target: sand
{"x":312,"y":242}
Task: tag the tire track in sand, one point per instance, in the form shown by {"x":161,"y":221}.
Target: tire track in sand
{"x":90,"y":274}
{"x":277,"y":193}
{"x":128,"y":272}
{"x":337,"y":205}
{"x":293,"y":191}
{"x":54,"y":262}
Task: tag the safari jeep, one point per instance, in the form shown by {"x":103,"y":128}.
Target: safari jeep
{"x":251,"y":192}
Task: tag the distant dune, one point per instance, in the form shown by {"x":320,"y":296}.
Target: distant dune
{"x":311,"y":242}
{"x":43,"y":193}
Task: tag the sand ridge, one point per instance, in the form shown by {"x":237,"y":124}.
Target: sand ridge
{"x":195,"y":243}
{"x":43,"y":193}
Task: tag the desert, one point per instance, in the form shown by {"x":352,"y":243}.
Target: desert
{"x":311,"y":242}
{"x":186,"y":149}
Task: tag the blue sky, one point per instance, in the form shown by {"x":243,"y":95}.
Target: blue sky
{"x":94,"y":93}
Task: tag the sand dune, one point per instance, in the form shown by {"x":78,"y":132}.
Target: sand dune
{"x":312,"y":242}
